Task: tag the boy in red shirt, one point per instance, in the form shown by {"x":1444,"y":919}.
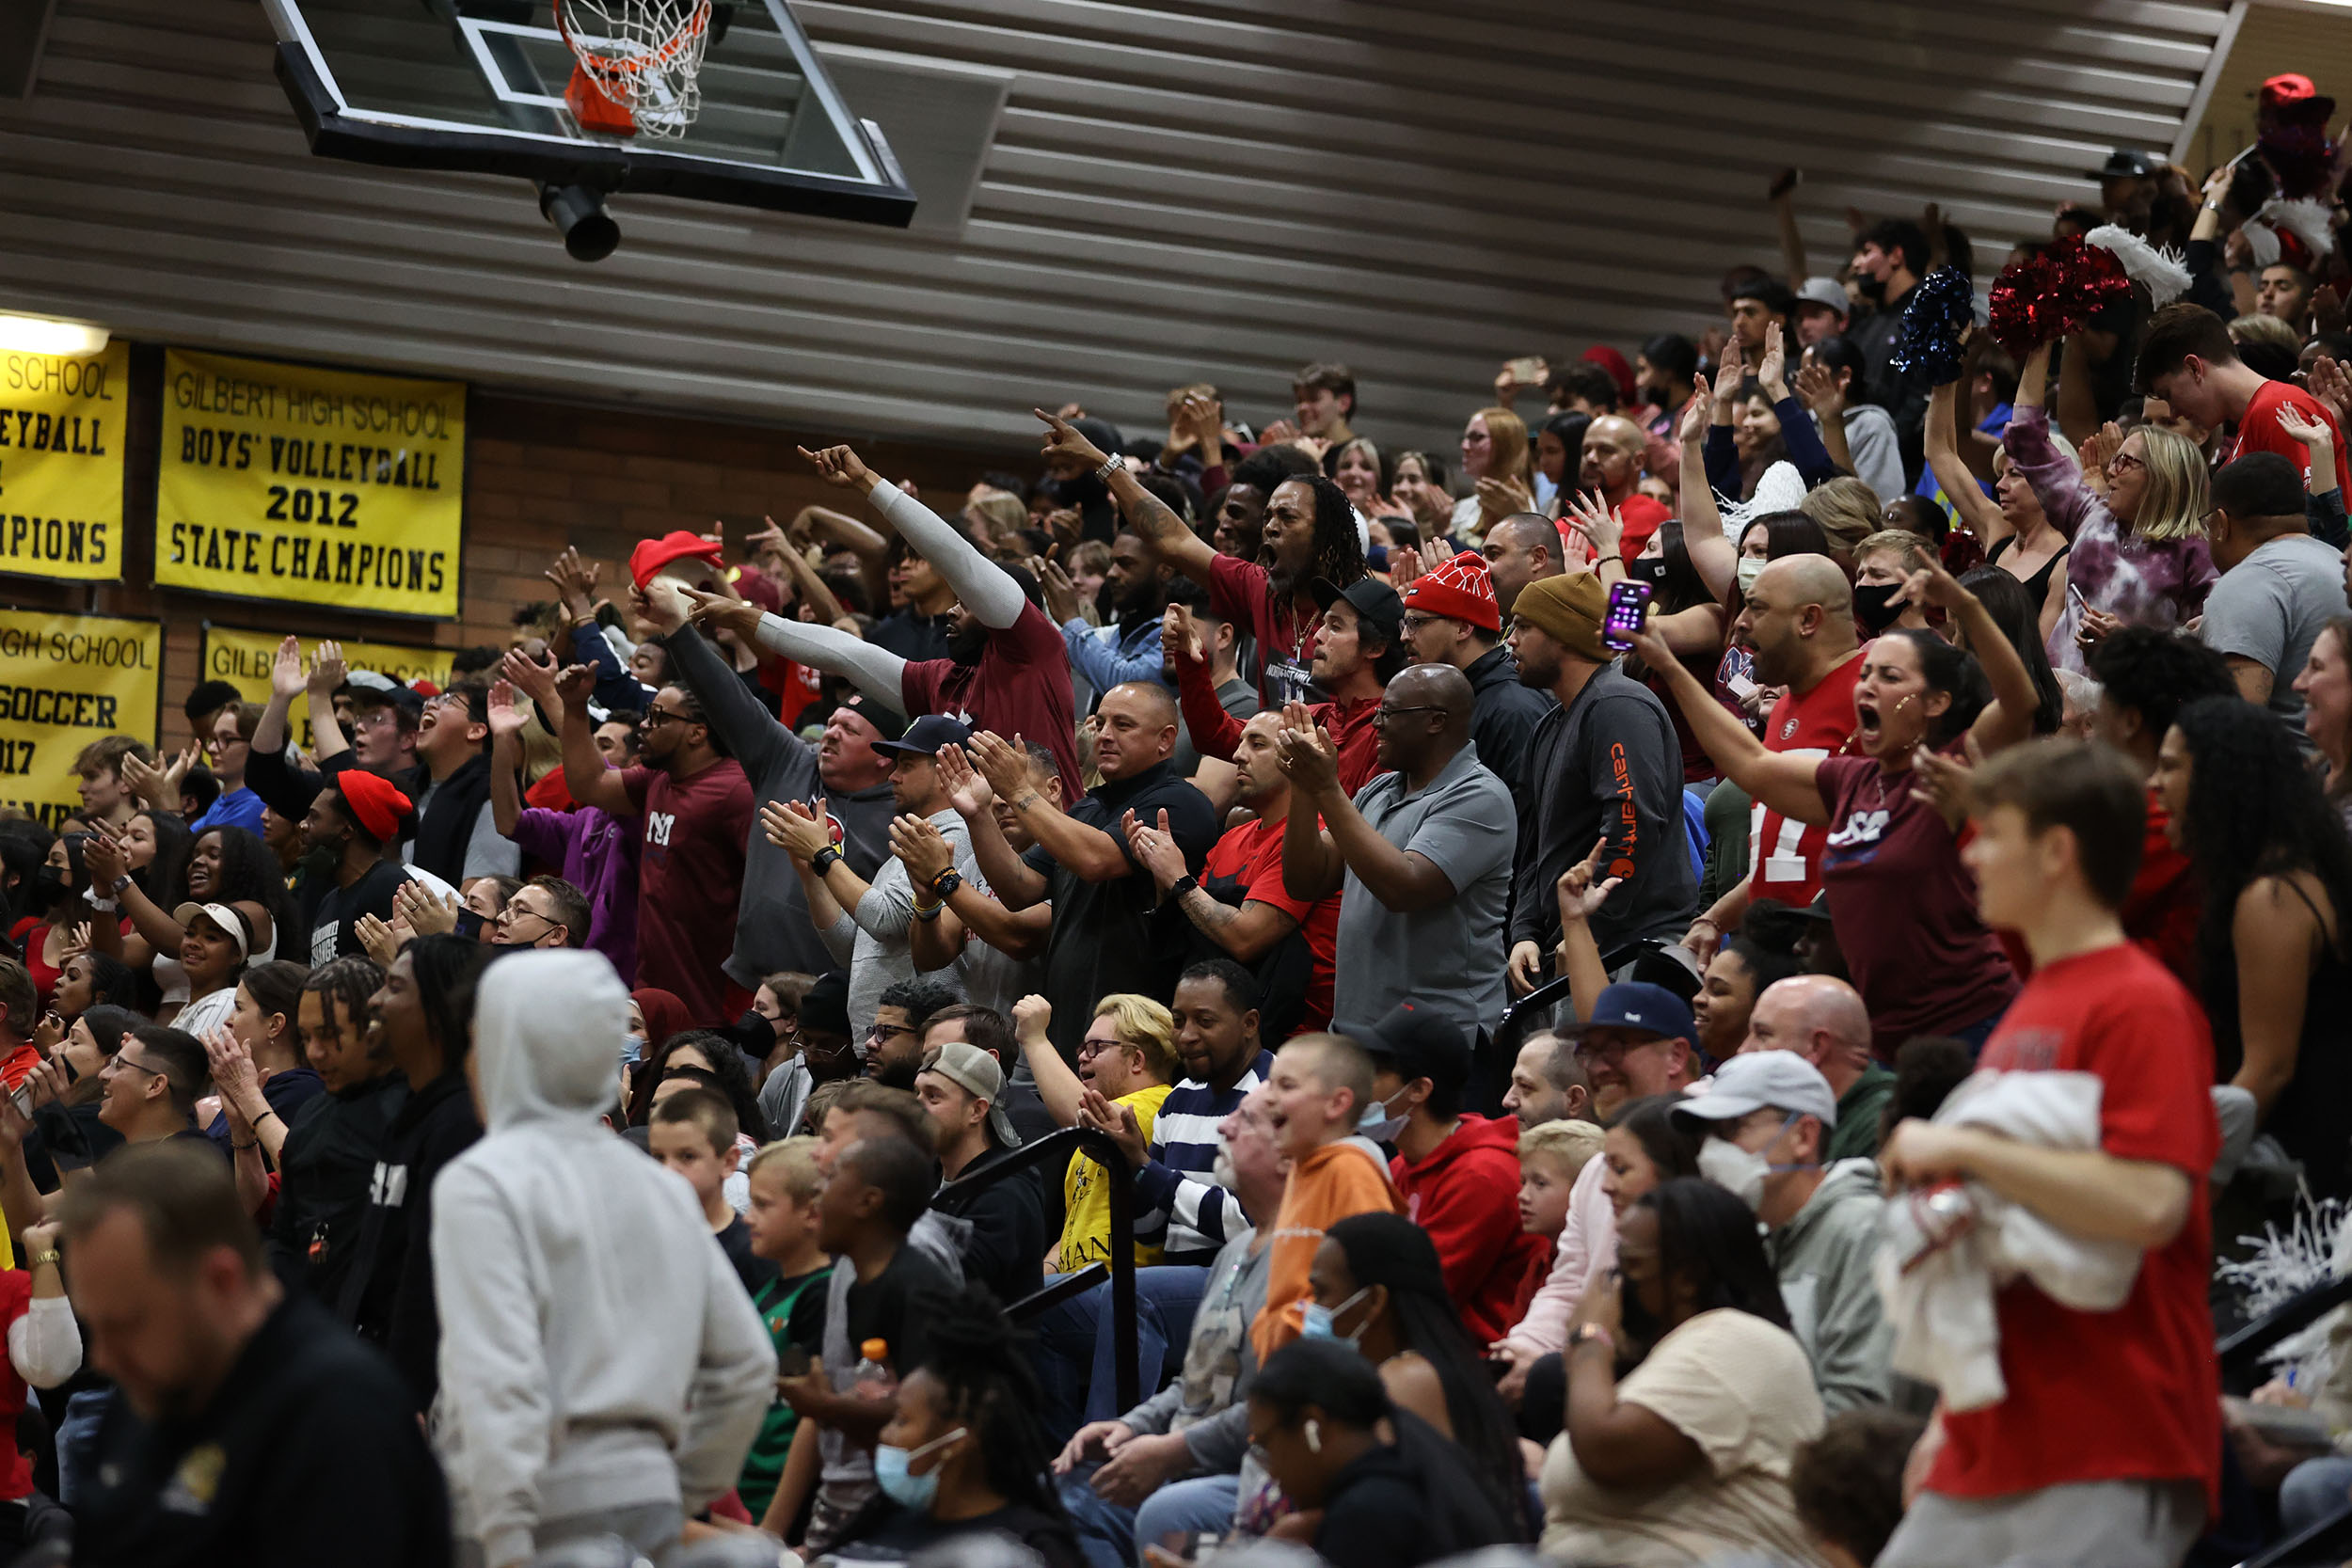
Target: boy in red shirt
{"x":2187,"y":358}
{"x":2107,"y":1447}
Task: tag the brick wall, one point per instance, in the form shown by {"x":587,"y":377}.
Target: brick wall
{"x":539,"y":476}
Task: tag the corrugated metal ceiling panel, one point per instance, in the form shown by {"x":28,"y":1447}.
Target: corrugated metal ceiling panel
{"x":1180,"y":189}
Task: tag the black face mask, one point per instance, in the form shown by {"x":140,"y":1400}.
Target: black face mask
{"x":46,"y":891}
{"x":755,"y":1025}
{"x":1650,"y":569}
{"x":1874,"y":606}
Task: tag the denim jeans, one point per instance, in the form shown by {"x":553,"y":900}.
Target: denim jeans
{"x":2314,"y":1490}
{"x":77,"y":1433}
{"x":1075,"y":1347}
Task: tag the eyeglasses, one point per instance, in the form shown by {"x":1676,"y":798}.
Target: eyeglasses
{"x":1380,"y":716}
{"x":1091,"y":1047}
{"x":122,"y":1059}
{"x":656,"y":717}
{"x":886,"y":1031}
{"x":2124,"y":462}
{"x":1414,"y":623}
{"x":514,"y":912}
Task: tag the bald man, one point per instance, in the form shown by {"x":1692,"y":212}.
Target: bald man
{"x":1604,"y":765}
{"x":1111,"y":932}
{"x":1798,"y":628}
{"x":1422,"y":858}
{"x":1614,"y":447}
{"x":1822,"y":1020}
{"x":1519,"y":549}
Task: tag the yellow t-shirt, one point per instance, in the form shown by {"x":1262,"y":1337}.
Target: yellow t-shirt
{"x":1086,"y":1226}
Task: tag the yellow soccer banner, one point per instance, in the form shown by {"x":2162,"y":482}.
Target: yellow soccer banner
{"x":244,"y":658}
{"x":322,"y":487}
{"x":65,"y":681}
{"x":62,"y":423}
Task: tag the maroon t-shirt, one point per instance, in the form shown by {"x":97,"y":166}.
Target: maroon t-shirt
{"x":690,"y":878}
{"x":1285,"y":643}
{"x":1020,"y":686}
{"x":1905,"y":908}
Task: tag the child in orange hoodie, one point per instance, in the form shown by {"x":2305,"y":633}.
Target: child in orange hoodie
{"x":1321,"y":1085}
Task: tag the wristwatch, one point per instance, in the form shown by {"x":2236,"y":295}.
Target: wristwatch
{"x":1587,"y":1333}
{"x":1182,"y":885}
{"x":1110,"y":465}
{"x":945,"y":883}
{"x":50,"y":1255}
{"x":825,"y":860}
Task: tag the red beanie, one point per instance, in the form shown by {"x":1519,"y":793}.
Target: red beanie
{"x":651,"y":555}
{"x":373,"y":802}
{"x":1459,"y":590}
{"x":1619,"y":372}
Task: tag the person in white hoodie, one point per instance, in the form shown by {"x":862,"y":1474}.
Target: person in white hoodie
{"x":557,"y":1246}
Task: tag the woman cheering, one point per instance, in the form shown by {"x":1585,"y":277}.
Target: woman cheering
{"x":1904,"y":906}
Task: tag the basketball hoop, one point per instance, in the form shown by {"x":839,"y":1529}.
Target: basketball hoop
{"x":636,"y":64}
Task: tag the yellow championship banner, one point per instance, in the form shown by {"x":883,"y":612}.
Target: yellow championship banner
{"x":65,"y":681}
{"x":243,"y":660}
{"x":322,"y":487}
{"x":61,"y":445}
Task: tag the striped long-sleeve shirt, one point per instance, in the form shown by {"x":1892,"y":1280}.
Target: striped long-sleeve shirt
{"x":1186,"y":1212}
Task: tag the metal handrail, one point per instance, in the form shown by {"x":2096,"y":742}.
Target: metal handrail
{"x":1104,"y":1149}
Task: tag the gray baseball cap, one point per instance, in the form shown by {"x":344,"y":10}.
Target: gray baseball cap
{"x":1757,"y":1079}
{"x":975,"y":1071}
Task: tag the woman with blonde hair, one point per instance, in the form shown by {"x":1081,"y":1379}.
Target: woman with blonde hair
{"x":2137,"y":553}
{"x":1848,"y":511}
{"x":1495,"y":458}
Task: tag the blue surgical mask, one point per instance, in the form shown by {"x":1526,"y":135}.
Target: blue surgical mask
{"x":1389,"y":1124}
{"x":1320,"y":1320}
{"x":632,"y":1048}
{"x":893,"y":1473}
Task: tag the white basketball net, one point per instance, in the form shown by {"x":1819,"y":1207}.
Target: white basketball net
{"x":644,"y":55}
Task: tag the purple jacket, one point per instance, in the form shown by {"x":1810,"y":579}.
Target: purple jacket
{"x":2148,"y":583}
{"x":597,"y":853}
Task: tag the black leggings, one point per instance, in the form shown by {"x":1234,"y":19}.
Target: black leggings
{"x":1544,"y":1401}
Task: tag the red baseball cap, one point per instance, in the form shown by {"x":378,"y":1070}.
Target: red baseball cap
{"x":651,"y":555}
{"x":1459,"y":589}
{"x":2289,"y":89}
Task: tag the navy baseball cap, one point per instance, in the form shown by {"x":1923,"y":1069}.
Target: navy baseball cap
{"x":1638,"y":1004}
{"x":925,"y":736}
{"x":1417,"y":1044}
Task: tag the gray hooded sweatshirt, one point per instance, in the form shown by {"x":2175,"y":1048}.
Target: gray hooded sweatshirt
{"x":597,"y":1351}
{"x":1823,"y":1256}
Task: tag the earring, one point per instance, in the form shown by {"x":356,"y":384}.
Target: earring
{"x":1314,"y":1439}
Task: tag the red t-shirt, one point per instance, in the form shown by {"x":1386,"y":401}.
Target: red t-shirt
{"x":2259,"y":430}
{"x":2133,"y":1394}
{"x":690,"y":878}
{"x":1785,"y":857}
{"x":794,"y":686}
{"x":16,"y":1471}
{"x":1020,"y":686}
{"x":1241,"y":592}
{"x":2160,"y":913}
{"x":1905,"y":908}
{"x":1250,"y":857}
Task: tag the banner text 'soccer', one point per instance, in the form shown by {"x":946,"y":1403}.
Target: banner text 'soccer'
{"x":324,"y":487}
{"x":243,"y":658}
{"x":62,"y":422}
{"x":65,"y":681}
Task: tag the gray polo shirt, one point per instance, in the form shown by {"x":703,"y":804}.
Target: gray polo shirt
{"x":1450,"y":958}
{"x":2270,"y":607}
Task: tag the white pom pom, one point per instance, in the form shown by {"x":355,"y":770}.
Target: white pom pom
{"x":2161,"y":273}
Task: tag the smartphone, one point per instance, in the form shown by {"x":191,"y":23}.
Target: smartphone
{"x":1527,"y":370}
{"x":1629,"y":603}
{"x":23,"y":1098}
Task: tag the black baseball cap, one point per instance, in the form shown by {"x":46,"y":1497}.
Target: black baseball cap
{"x":1417,"y":1044}
{"x":2126,"y":162}
{"x":1373,"y":598}
{"x":892,"y":723}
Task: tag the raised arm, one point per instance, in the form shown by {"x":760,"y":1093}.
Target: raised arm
{"x":2058,"y":483}
{"x":506,"y":757}
{"x":1057,"y":1084}
{"x":285,"y":685}
{"x":1089,"y":853}
{"x":1798,"y":433}
{"x":1786,"y":783}
{"x":326,"y":674}
{"x":874,"y":671}
{"x":984,"y":587}
{"x":1581,"y":891}
{"x":591,"y":783}
{"x":1017,"y":885}
{"x":1711,"y":550}
{"x":1402,"y":879}
{"x":1143,"y":510}
{"x":1978,"y":513}
{"x":2323,"y":508}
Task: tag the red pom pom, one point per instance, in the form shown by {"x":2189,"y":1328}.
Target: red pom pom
{"x":2044,"y":297}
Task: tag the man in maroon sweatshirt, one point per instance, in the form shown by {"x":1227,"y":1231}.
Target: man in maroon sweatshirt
{"x":1459,"y":1174}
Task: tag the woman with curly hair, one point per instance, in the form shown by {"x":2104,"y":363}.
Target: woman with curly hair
{"x":2277,"y":871}
{"x":963,"y":1453}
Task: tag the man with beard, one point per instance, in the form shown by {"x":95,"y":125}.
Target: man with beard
{"x":1520,"y":549}
{"x":1798,"y":623}
{"x":353,"y":825}
{"x":1603,"y":764}
{"x":1110,"y":930}
{"x":696,"y":807}
{"x":847,"y":769}
{"x":863,"y":924}
{"x":1614,"y":447}
{"x":894,"y":1042}
{"x":1362,"y":647}
{"x":1137,"y":585}
{"x":1007,"y":668}
{"x":1309,"y":538}
{"x":1451,"y":618}
{"x":1240,"y":507}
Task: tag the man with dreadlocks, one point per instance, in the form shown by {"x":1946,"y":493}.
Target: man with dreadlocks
{"x":331,"y":1149}
{"x":1309,"y":544}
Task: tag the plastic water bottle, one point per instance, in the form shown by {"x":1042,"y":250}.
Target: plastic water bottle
{"x":873,"y":1379}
